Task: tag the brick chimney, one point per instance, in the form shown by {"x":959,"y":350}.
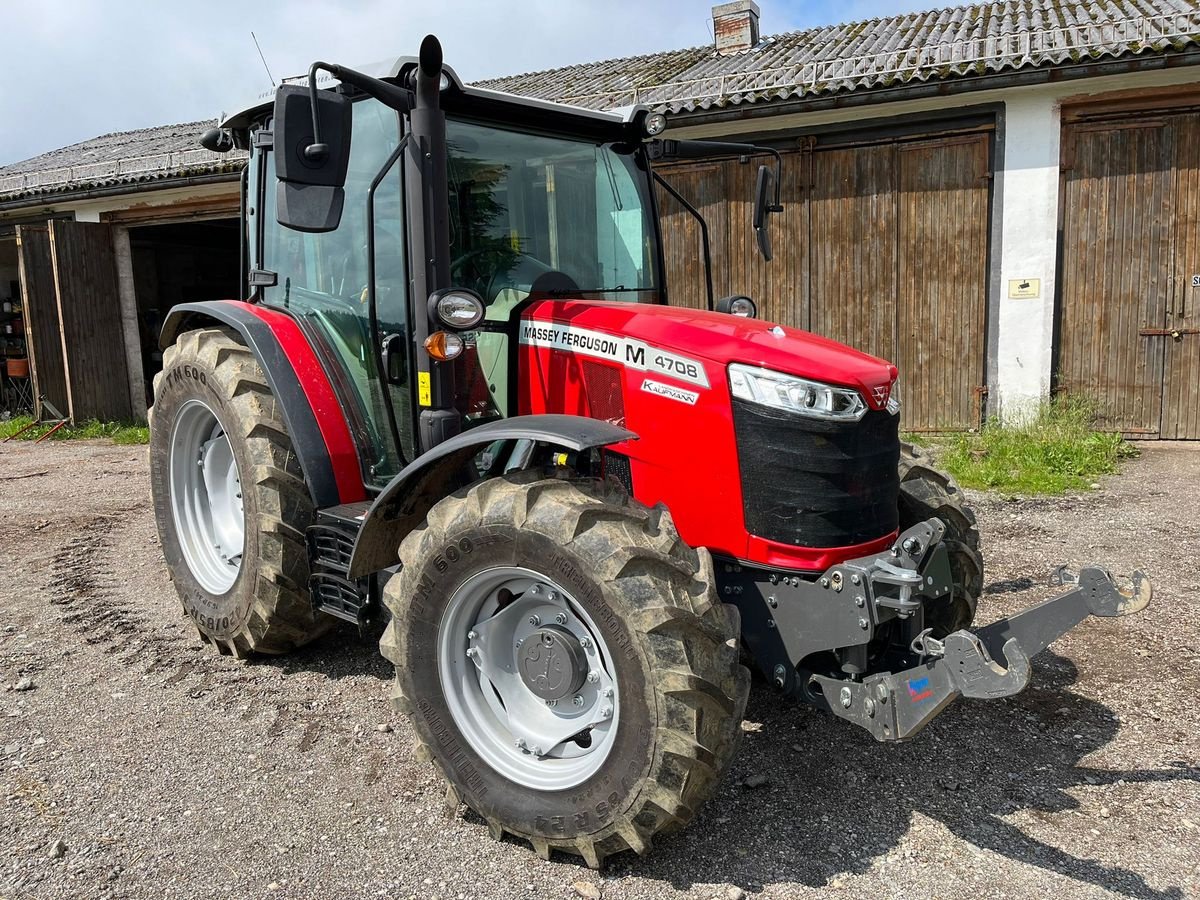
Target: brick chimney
{"x":735,"y":26}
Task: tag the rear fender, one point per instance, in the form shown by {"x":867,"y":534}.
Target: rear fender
{"x":409,"y":496}
{"x":314,"y":418}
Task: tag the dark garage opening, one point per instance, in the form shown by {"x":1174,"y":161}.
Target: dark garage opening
{"x":180,"y":263}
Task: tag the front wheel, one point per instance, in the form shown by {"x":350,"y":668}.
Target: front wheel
{"x":925,"y":493}
{"x":229,"y":498}
{"x":565,"y":662}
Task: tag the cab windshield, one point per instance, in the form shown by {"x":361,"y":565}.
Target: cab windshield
{"x":573,"y":213}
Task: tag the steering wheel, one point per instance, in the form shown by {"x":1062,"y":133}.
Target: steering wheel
{"x":520,"y":274}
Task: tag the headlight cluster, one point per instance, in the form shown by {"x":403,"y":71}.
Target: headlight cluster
{"x":799,"y":395}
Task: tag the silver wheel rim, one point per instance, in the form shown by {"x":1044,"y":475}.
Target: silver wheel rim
{"x":539,"y":744}
{"x":206,"y":497}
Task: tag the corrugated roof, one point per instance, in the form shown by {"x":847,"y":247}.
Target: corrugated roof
{"x":125,"y":157}
{"x":940,"y":44}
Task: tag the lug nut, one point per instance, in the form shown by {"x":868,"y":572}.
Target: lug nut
{"x":856,"y":578}
{"x":863,"y":623}
{"x":520,"y":742}
{"x":561,"y":618}
{"x":535,"y":621}
{"x":552,"y":703}
{"x":473,"y":652}
{"x":537,"y":751}
{"x":536,"y":589}
{"x":519,"y":644}
{"x":606,"y":713}
{"x":608,"y":692}
{"x":471,"y":635}
{"x":881,"y":692}
{"x":860,"y":602}
{"x":585,"y":643}
{"x":869,"y":708}
{"x":577,"y":700}
{"x":846,"y":697}
{"x":593,"y":676}
{"x":551,"y":596}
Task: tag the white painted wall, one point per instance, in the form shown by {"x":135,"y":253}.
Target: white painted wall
{"x":1028,"y":247}
{"x":1025,"y":200}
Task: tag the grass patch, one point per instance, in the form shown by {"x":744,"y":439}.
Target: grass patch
{"x":117,"y":432}
{"x":1056,"y":451}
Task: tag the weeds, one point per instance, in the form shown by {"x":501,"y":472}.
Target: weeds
{"x":117,"y":432}
{"x":1055,"y":451}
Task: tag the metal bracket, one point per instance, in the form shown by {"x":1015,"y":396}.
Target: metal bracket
{"x":988,"y":664}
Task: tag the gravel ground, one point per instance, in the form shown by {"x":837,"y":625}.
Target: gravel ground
{"x":136,"y":763}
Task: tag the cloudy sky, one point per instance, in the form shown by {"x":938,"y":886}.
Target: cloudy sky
{"x":76,"y":69}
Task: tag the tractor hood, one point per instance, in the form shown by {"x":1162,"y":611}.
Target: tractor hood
{"x":717,"y":339}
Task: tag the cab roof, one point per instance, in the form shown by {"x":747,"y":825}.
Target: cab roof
{"x":464,"y":99}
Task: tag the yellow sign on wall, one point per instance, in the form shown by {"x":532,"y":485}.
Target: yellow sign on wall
{"x":424,"y":393}
{"x":1024,"y":288}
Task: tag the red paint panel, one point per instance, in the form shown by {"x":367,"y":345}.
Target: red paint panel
{"x":686,"y":457}
{"x":343,"y":455}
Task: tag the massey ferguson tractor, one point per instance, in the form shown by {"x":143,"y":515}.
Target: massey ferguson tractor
{"x":455,"y":397}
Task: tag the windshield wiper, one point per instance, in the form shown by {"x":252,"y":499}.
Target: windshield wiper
{"x":619,"y":289}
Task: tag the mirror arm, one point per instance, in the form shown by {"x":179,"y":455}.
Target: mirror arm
{"x":388,"y":94}
{"x":317,"y":151}
{"x":708,"y":285}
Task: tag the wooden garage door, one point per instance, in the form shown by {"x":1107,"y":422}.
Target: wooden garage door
{"x":882,"y":247}
{"x":1129,"y":330}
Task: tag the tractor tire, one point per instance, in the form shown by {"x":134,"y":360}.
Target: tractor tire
{"x":638,"y":599}
{"x":925,"y":493}
{"x":230,"y":499}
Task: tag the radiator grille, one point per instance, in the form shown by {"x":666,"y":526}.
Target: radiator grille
{"x":811,"y":483}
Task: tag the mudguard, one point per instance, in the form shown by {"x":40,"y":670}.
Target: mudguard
{"x":311,"y":411}
{"x":428,"y":478}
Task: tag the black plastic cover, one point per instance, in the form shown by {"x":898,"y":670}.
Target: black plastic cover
{"x":815,"y":483}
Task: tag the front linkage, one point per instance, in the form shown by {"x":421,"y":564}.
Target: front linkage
{"x":854,"y":642}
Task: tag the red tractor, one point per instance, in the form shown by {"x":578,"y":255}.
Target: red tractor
{"x":455,"y":396}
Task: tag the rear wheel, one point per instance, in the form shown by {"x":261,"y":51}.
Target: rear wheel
{"x":565,"y":663}
{"x":925,"y":493}
{"x":229,"y":498}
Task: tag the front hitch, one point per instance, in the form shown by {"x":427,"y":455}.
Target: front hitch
{"x":990,"y":663}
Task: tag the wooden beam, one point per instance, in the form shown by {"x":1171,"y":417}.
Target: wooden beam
{"x":129,"y":321}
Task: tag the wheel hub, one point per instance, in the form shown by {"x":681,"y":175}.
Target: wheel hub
{"x":538,"y":702}
{"x":206,"y":497}
{"x":553,"y":663}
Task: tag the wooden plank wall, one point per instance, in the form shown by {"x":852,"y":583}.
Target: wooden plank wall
{"x":41,"y":319}
{"x":89,"y":311}
{"x":1181,"y":366}
{"x":942,"y":263}
{"x":1115,"y":246}
{"x":883,"y":247}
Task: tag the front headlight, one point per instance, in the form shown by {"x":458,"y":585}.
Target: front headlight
{"x":799,"y":395}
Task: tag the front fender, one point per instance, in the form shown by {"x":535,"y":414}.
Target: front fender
{"x":426,"y":480}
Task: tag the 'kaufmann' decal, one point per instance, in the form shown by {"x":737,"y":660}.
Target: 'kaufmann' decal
{"x":628,"y":352}
{"x":669,"y":391}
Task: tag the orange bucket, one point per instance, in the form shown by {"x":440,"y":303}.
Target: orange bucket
{"x":18,"y":368}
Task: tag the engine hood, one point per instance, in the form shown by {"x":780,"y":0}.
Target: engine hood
{"x":720,"y":339}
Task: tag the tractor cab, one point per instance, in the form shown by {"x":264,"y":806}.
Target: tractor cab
{"x":541,"y":200}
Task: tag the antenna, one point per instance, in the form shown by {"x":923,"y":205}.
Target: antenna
{"x":263,"y":58}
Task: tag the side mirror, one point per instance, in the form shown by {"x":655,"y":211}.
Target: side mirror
{"x":312,"y":175}
{"x":764,"y":204}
